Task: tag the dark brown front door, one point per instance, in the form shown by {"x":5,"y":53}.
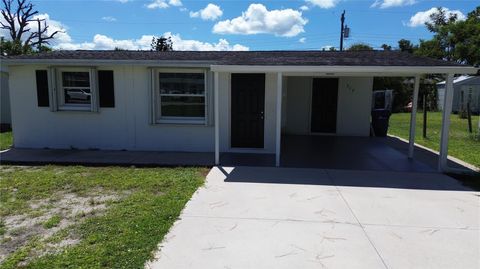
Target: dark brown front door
{"x":247,"y":111}
{"x":324,"y":105}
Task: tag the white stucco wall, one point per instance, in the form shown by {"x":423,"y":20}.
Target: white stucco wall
{"x":353,"y":109}
{"x":126,"y":126}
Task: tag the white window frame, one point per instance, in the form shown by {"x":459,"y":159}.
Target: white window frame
{"x":157,"y":99}
{"x":60,"y":93}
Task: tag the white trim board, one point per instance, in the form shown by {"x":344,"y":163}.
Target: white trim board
{"x":345,"y":70}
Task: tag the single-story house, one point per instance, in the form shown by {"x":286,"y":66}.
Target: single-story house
{"x":213,"y":101}
{"x":466,"y":89}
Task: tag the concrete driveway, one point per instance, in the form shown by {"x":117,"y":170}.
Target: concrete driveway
{"x":258,"y":217}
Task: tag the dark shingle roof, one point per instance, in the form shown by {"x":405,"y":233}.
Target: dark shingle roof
{"x":307,"y":58}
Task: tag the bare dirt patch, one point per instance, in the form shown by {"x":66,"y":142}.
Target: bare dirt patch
{"x":49,"y":221}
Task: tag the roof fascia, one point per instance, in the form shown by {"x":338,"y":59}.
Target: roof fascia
{"x":358,"y":70}
{"x":74,"y":62}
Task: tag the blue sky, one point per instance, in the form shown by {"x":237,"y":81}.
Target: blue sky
{"x":235,"y":24}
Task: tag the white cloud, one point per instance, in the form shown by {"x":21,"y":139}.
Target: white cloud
{"x":257,"y":19}
{"x":157,"y":4}
{"x":393,"y":3}
{"x":323,"y":3}
{"x":175,"y":3}
{"x":154,"y":4}
{"x":188,"y":44}
{"x":422,"y":17}
{"x":304,"y":8}
{"x":302,"y":40}
{"x":103,"y":42}
{"x":109,"y":18}
{"x":210,"y":12}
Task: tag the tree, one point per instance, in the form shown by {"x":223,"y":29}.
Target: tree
{"x":406,"y":46}
{"x":386,"y":47}
{"x":453,"y":40}
{"x":431,"y":48}
{"x":440,"y":19}
{"x":359,"y":47}
{"x":162,"y":44}
{"x":17,"y":15}
{"x":466,"y":37}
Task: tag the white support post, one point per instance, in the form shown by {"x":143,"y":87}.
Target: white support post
{"x":278,"y":124}
{"x":217,"y":118}
{"x":447,"y":110}
{"x":413,"y":117}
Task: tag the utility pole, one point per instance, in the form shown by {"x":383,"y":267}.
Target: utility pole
{"x":341,"y":30}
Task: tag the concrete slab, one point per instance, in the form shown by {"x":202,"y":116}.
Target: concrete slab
{"x":246,"y":243}
{"x":424,"y":248}
{"x":320,"y":203}
{"x":106,"y":157}
{"x":32,"y":155}
{"x":261,"y":217}
{"x":176,"y":158}
{"x":352,"y":153}
{"x":414,"y":208}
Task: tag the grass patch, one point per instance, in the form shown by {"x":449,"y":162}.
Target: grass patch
{"x":123,"y":236}
{"x":462,"y":144}
{"x":52,"y":222}
{"x":6,"y":140}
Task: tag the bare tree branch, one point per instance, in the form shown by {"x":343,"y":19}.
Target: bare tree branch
{"x":17,"y":15}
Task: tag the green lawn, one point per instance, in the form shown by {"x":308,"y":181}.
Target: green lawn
{"x":6,"y":140}
{"x":462,"y":144}
{"x":89,"y":217}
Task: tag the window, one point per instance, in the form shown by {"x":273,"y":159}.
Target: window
{"x":75,"y":89}
{"x":181,"y":97}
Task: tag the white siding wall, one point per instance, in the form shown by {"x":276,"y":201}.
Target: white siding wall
{"x":354,"y":106}
{"x":353,"y":110}
{"x":124,"y":127}
{"x":5,"y":117}
{"x":299,"y":91}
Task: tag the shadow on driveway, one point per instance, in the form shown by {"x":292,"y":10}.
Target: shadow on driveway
{"x":374,"y":179}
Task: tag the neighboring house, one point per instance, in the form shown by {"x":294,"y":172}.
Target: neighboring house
{"x":5,"y":118}
{"x":198,"y":101}
{"x":465,"y":89}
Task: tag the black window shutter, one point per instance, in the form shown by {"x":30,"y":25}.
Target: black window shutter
{"x":42,"y":88}
{"x":105,"y":88}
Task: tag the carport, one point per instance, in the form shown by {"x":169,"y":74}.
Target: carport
{"x":337,"y":150}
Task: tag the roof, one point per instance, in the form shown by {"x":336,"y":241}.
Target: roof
{"x":271,"y":58}
{"x":463,"y":80}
